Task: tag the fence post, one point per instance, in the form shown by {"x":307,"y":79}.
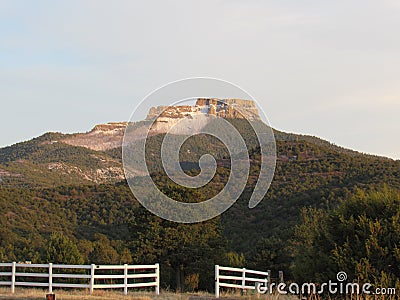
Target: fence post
{"x":91,"y":284}
{"x":244,"y":278}
{"x":50,"y":277}
{"x":269,"y":277}
{"x":216,"y":281}
{"x":125,"y":279}
{"x":13,"y":270}
{"x":158,"y":279}
{"x":281,"y":277}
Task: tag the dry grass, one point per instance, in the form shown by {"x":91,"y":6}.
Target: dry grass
{"x":39,"y":294}
{"x":36,"y":294}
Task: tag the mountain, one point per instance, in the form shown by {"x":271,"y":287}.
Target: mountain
{"x":93,"y":157}
{"x":48,"y":161}
{"x":109,"y":136}
{"x":74,"y":183}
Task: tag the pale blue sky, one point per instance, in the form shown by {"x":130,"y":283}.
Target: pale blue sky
{"x":326,"y":68}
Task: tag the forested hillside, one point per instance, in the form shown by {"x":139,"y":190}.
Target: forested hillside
{"x":52,"y":193}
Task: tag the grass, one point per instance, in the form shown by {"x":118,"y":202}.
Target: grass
{"x":39,"y":294}
{"x":36,"y":294}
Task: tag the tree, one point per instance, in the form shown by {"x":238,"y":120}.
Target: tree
{"x":361,"y":237}
{"x":85,"y":248}
{"x":182,"y":249}
{"x":61,"y":250}
{"x":126,"y":257}
{"x":103,"y":252}
{"x":235,"y":260}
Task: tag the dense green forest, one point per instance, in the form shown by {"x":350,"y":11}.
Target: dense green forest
{"x":328,"y":209}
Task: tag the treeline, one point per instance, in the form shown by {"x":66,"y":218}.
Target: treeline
{"x":361,"y":237}
{"x":106,"y":225}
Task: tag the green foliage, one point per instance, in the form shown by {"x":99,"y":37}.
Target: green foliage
{"x":182,"y":249}
{"x":361,"y":237}
{"x":126,"y":257}
{"x":26,"y":149}
{"x":235,"y":260}
{"x":61,"y":250}
{"x":47,"y":162}
{"x":103,"y":252}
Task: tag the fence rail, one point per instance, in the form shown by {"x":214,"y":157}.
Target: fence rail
{"x":90,"y":280}
{"x":238,"y":278}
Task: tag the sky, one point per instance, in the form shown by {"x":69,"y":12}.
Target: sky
{"x":326,"y":68}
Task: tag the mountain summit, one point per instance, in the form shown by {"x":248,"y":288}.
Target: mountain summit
{"x":109,"y":136}
{"x":224,"y":108}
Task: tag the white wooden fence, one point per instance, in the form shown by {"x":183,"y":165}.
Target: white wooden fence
{"x":238,"y":278}
{"x":53,"y":273}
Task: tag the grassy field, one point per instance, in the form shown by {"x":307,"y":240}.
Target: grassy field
{"x":38,"y":294}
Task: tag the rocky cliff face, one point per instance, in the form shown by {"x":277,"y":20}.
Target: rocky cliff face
{"x":224,"y":108}
{"x":173,"y":112}
{"x":110,"y":135}
{"x":196,"y":117}
{"x":229,"y":108}
{"x":110,"y":127}
{"x":101,"y":137}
